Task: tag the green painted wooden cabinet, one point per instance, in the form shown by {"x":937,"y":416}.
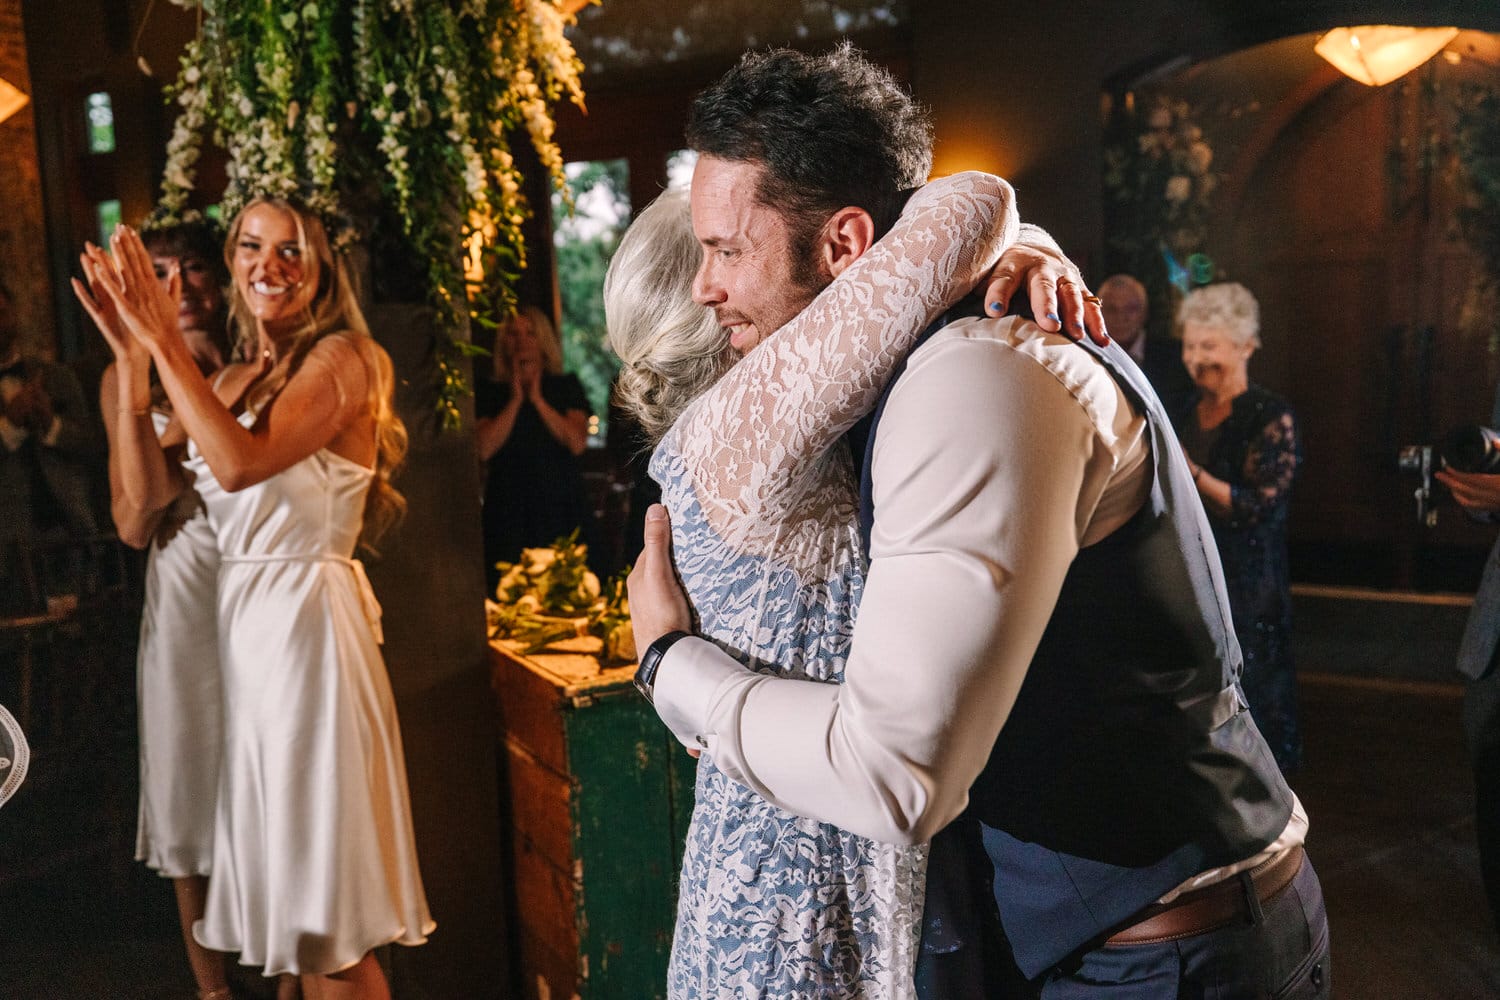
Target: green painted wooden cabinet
{"x":599,"y":796}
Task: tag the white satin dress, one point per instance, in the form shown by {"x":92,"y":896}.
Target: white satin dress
{"x":315,"y":860}
{"x":178,"y":687}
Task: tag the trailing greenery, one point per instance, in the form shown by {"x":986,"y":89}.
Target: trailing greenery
{"x":394,"y":120}
{"x":1476,"y":137}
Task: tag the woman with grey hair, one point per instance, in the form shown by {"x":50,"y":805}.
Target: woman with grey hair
{"x":1244,"y":449}
{"x":761,"y":490}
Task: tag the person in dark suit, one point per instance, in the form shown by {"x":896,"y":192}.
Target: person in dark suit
{"x":46,"y":441}
{"x":1124,"y":303}
{"x":1479,"y":494}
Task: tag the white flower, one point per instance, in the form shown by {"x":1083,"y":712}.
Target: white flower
{"x":538,"y":560}
{"x":246,"y":107}
{"x":1199,"y":157}
{"x":389,"y":90}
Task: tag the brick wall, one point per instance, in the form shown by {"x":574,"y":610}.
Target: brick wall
{"x":23,"y":236}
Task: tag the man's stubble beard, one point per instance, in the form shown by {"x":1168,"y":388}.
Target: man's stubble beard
{"x":806,"y":275}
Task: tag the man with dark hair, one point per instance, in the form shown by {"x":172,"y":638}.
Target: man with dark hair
{"x":831,"y":130}
{"x":45,"y":445}
{"x":803,"y":138}
{"x":1043,"y":651}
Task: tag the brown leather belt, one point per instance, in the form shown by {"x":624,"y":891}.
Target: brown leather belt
{"x":1204,"y":910}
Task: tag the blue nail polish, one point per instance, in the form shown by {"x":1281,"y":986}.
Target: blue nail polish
{"x":1053,"y":317}
{"x":997,"y":307}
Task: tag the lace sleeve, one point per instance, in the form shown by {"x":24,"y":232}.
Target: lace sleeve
{"x":777,"y":411}
{"x":1270,"y":466}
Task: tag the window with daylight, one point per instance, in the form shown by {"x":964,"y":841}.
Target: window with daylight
{"x":107,"y":216}
{"x":101,"y":121}
{"x":680,"y":169}
{"x":584,"y":241}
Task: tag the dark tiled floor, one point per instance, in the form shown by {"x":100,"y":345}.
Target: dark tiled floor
{"x":1388,"y":790}
{"x":1386,"y":785}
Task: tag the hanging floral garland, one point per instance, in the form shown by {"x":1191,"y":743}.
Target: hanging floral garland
{"x":325,"y":100}
{"x":1159,"y":186}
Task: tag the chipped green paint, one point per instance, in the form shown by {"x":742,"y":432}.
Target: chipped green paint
{"x":631,"y":800}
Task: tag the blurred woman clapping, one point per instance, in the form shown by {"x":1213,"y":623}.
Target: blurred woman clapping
{"x":531,"y":425}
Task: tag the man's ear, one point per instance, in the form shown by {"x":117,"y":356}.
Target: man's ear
{"x":847,"y":234}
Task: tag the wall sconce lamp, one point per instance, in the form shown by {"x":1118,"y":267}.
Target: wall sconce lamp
{"x":1376,"y":54}
{"x":11,"y":100}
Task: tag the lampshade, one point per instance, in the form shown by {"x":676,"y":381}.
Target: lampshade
{"x":1376,"y":54}
{"x":11,"y":100}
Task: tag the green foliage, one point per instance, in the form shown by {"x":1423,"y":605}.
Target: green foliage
{"x":1477,"y":139}
{"x":393,"y":119}
{"x":1476,"y":149}
{"x":550,"y":593}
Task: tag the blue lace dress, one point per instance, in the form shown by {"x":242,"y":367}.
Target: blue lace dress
{"x":762,"y":494}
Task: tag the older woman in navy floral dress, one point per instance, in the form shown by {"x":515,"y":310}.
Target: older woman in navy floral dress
{"x":1244,"y":447}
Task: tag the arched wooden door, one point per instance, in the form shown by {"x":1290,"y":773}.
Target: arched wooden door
{"x":1339,"y":214}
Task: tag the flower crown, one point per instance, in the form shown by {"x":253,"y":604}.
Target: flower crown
{"x":162,"y":219}
{"x":340,"y":227}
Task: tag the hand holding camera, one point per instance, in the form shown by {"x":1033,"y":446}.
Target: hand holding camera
{"x":1467,"y":462}
{"x":1476,"y":492}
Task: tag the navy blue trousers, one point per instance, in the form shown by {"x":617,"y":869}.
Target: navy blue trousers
{"x":1280,"y":953}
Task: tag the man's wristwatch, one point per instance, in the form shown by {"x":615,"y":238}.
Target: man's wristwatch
{"x":645,"y":674}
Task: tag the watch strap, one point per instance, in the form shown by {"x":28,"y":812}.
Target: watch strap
{"x":645,"y":674}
